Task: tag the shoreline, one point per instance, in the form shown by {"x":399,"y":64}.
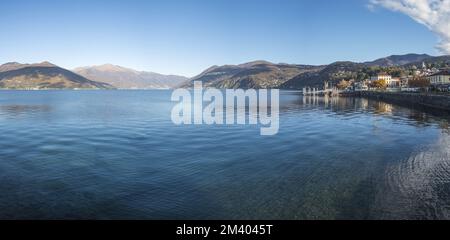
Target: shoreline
{"x":426,"y":100}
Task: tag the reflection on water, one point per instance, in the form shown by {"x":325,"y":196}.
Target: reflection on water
{"x":117,"y":155}
{"x":15,"y":110}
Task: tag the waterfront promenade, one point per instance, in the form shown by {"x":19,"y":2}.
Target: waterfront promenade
{"x":432,"y":100}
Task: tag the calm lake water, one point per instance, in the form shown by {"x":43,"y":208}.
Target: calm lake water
{"x":117,"y":155}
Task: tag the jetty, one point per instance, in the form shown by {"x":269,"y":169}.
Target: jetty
{"x":326,"y":91}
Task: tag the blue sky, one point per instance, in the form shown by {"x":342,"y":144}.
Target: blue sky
{"x":187,"y":36}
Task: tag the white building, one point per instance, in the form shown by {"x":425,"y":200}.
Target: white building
{"x":361,"y":86}
{"x":394,"y":83}
{"x":440,"y":78}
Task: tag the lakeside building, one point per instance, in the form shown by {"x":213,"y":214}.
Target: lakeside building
{"x":394,"y":83}
{"x":390,"y":81}
{"x":361,"y":86}
{"x":381,"y":76}
{"x":440,"y":78}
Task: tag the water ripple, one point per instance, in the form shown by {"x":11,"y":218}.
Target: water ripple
{"x":117,"y":155}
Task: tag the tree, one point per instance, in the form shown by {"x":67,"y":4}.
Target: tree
{"x":380,"y":84}
{"x":361,"y":76}
{"x":343,"y":84}
{"x":419,"y":82}
{"x":395,"y":72}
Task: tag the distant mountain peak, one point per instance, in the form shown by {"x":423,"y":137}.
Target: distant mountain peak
{"x":47,"y":63}
{"x":126,"y":78}
{"x":11,"y":63}
{"x":254,"y":63}
{"x":44,"y":75}
{"x":106,"y":68}
{"x":12,"y":66}
{"x":15,"y":65}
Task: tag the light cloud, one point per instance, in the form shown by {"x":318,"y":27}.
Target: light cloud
{"x":434,"y":14}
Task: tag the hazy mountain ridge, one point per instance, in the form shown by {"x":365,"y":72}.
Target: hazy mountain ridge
{"x":399,"y":60}
{"x":125,"y":78}
{"x":441,"y":61}
{"x":43,"y":76}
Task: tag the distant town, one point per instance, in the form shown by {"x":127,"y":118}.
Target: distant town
{"x":418,"y":79}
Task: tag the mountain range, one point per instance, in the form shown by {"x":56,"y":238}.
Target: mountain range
{"x":257,"y":74}
{"x":44,"y":75}
{"x":263,"y":74}
{"x":125,"y":78}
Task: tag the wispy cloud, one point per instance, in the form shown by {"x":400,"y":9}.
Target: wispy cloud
{"x":434,"y":14}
